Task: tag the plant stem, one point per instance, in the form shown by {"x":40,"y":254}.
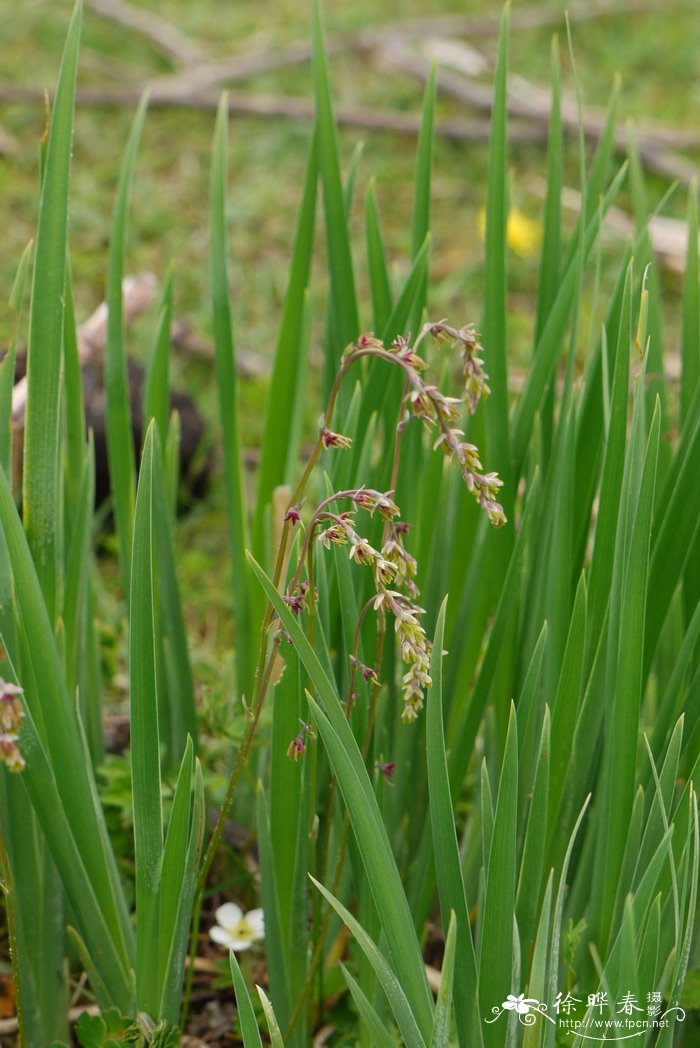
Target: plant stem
{"x":12,"y":940}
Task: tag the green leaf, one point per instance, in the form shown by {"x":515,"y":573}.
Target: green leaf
{"x":289,"y":369}
{"x":392,"y":985}
{"x":496,"y":928}
{"x":368,"y":1014}
{"x":276,"y":955}
{"x":227,"y":395}
{"x":246,"y":1012}
{"x":7,"y":365}
{"x":156,"y":396}
{"x":690,"y":335}
{"x":145,"y":756}
{"x":377,"y":269}
{"x":340,"y":268}
{"x":107,"y":1029}
{"x":532,"y":863}
{"x":623,"y":715}
{"x":272,"y":1024}
{"x":443,"y":1010}
{"x":453,"y":902}
{"x":495,"y":310}
{"x":120,"y":442}
{"x":365,"y":817}
{"x":41,"y":485}
{"x":178,"y":701}
{"x":179,"y":877}
{"x":67,"y":772}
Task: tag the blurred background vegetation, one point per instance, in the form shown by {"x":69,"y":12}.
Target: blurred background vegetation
{"x":654,"y":47}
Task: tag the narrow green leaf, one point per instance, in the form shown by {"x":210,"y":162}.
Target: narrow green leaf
{"x":41,"y":484}
{"x":79,"y":882}
{"x":7,"y":382}
{"x":275,"y":952}
{"x":180,"y":868}
{"x":272,"y":1024}
{"x":156,"y":396}
{"x":622,"y":729}
{"x":179,"y":685}
{"x":7,"y":365}
{"x":78,"y":567}
{"x":690,"y":334}
{"x":365,"y":817}
{"x":377,"y":269}
{"x":549,"y":345}
{"x":340,"y":266}
{"x":74,"y":409}
{"x":496,"y":928}
{"x":443,"y":1010}
{"x":145,"y":756}
{"x":227,"y":394}
{"x":447,"y":860}
{"x":392,"y":985}
{"x":532,"y":864}
{"x":73,"y":776}
{"x":368,"y":1014}
{"x":246,"y":1012}
{"x":495,"y":311}
{"x":292,"y":345}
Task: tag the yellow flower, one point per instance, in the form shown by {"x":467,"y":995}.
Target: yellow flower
{"x":523,"y":234}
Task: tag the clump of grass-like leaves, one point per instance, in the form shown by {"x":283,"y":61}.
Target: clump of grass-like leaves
{"x":505,"y":777}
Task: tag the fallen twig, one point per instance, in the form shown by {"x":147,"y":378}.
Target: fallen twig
{"x":668,"y":236}
{"x":244,"y":104}
{"x":138,"y":295}
{"x":9,"y":1026}
{"x":527,"y":101}
{"x":171,"y":43}
{"x":252,"y":63}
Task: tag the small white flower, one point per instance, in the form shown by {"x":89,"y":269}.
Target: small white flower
{"x":237,"y":930}
{"x":520,"y":1004}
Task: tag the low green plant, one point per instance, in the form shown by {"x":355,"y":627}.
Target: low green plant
{"x":503,"y":779}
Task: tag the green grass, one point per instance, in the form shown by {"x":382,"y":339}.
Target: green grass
{"x":169,"y":212}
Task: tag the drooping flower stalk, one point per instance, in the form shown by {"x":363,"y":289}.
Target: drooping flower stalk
{"x":392,"y":561}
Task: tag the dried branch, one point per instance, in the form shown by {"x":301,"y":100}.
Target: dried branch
{"x":168,"y":40}
{"x":138,"y":295}
{"x":528,"y":101}
{"x":252,"y":63}
{"x":242,"y":103}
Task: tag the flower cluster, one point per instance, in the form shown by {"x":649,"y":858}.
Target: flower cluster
{"x":483,"y":486}
{"x":11,"y":714}
{"x":427,"y":402}
{"x":415,"y":648}
{"x":475,"y":378}
{"x":297,"y":601}
{"x":368,"y":674}
{"x":387,"y":768}
{"x":396,"y":554}
{"x":334,"y":440}
{"x":297,"y":746}
{"x":394,"y":570}
{"x":393,"y":567}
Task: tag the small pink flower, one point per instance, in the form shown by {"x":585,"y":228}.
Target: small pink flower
{"x":334,"y":440}
{"x":294,"y":603}
{"x":387,"y":768}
